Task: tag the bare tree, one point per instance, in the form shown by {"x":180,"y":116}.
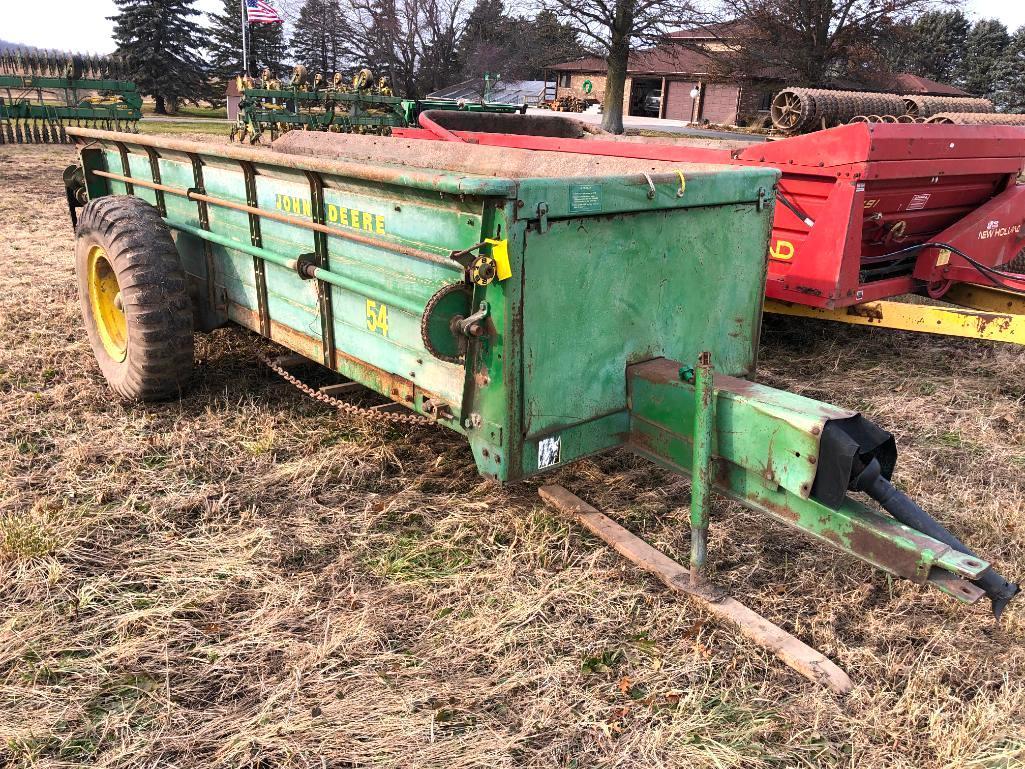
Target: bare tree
{"x":614,"y":27}
{"x":414,"y":43}
{"x":808,"y":42}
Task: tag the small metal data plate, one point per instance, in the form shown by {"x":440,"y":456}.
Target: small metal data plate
{"x":585,"y":198}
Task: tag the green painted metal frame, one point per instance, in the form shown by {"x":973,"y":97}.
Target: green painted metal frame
{"x":765,"y":449}
{"x":703,"y":435}
{"x":330,"y":109}
{"x":23,"y":108}
{"x":424,"y":217}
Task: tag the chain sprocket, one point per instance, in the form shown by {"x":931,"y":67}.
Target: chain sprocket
{"x":347,"y":408}
{"x":425,"y":320}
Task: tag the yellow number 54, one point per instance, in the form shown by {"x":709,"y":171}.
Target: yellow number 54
{"x":377,"y":317}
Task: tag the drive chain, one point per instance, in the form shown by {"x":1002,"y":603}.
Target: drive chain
{"x":347,"y":408}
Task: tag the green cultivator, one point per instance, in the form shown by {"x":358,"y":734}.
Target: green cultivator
{"x":362,"y":106}
{"x":43,"y":92}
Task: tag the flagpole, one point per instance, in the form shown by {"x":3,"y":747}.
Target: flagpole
{"x":245,"y":51}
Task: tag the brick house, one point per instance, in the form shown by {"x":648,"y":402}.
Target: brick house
{"x":677,"y":83}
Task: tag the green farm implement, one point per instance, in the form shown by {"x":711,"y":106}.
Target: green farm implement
{"x":42,"y":93}
{"x":362,"y":106}
{"x":545,"y":306}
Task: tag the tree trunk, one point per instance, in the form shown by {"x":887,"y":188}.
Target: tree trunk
{"x":161,"y":105}
{"x":619,"y":55}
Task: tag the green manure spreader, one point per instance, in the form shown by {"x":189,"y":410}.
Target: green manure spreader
{"x":546,"y":306}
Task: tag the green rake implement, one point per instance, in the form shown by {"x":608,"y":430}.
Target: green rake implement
{"x":318,"y":103}
{"x":43,"y":92}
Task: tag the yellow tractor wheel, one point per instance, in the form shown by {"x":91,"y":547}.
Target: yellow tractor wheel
{"x":134,"y":298}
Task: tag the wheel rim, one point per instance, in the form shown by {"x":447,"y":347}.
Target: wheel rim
{"x":787,"y":110}
{"x":105,"y":301}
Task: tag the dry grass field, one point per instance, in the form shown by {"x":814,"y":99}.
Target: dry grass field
{"x":245,"y":579}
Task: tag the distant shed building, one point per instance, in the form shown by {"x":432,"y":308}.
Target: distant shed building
{"x":673,"y":82}
{"x":232,"y":98}
{"x":505,"y":91}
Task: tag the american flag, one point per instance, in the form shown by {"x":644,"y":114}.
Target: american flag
{"x":262,"y":12}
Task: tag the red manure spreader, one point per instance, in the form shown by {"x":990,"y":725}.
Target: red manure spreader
{"x":866,"y":213}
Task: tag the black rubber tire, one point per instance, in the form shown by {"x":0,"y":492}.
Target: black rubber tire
{"x":158,"y":355}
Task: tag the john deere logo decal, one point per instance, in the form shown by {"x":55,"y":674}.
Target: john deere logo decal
{"x":346,"y":217}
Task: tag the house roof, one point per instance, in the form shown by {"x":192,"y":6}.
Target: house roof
{"x":907,"y":83}
{"x":726,"y":29}
{"x":663,"y":60}
{"x":674,"y":59}
{"x":583,"y":64}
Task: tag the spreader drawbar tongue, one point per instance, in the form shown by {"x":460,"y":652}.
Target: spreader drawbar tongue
{"x":872,"y":481}
{"x":797,"y":460}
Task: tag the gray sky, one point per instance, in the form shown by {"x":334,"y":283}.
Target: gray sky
{"x":81,"y":25}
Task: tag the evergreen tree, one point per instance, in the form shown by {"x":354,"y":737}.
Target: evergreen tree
{"x":984,"y":48}
{"x":934,"y":45}
{"x":389,"y":42}
{"x":1009,"y":79}
{"x":484,"y":45}
{"x":160,"y":40}
{"x":319,"y":40}
{"x":266,"y":44}
{"x":486,"y":23}
{"x":554,"y":42}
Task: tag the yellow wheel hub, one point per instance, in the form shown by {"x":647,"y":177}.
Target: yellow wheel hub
{"x":107,"y":307}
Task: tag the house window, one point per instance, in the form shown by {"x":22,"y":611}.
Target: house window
{"x":563,"y":80}
{"x":765,"y":103}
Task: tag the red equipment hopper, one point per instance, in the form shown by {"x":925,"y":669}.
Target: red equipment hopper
{"x":855,"y":206}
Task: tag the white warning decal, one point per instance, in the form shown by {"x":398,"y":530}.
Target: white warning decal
{"x":548,"y":452}
{"x":918,"y":202}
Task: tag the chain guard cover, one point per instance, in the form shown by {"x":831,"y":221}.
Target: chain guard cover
{"x":436,"y":329}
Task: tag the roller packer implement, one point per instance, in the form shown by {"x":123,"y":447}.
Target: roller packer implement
{"x":43,"y":92}
{"x":867,"y":213}
{"x":976,"y":118}
{"x":799,"y":110}
{"x":545,"y":306}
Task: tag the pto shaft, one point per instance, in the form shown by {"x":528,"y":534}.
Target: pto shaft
{"x":871,"y":481}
